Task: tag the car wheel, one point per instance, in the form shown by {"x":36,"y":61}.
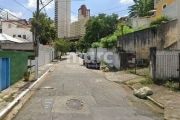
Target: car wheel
{"x":87,"y":65}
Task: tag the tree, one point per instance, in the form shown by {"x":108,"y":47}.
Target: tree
{"x":46,"y":32}
{"x":111,"y":41}
{"x":99,"y":26}
{"x":141,"y":8}
{"x":95,"y":45}
{"x":81,"y":45}
{"x":62,"y":46}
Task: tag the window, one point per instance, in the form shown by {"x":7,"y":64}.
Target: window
{"x":14,"y":36}
{"x":19,"y":36}
{"x":24,"y":36}
{"x":164,"y":6}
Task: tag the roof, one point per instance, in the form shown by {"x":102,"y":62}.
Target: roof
{"x":4,"y":37}
{"x":19,"y":21}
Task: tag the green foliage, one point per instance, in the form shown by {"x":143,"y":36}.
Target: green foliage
{"x":141,"y":8}
{"x":147,"y":81}
{"x":62,"y":45}
{"x":95,"y":45}
{"x":47,"y":33}
{"x":126,"y":30}
{"x":157,"y":22}
{"x":81,"y":45}
{"x":111,"y":41}
{"x":26,"y":75}
{"x":172,"y":85}
{"x":102,"y":25}
{"x":103,"y":63}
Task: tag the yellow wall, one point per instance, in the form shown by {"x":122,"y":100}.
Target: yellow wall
{"x":159,"y":7}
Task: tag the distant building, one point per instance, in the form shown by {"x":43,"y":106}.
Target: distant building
{"x":83,"y":12}
{"x":78,"y":28}
{"x":17,"y":28}
{"x":62,"y":17}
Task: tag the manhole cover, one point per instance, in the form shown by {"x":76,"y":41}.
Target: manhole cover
{"x":74,"y":104}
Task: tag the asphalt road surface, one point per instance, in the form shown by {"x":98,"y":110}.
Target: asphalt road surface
{"x":73,"y":92}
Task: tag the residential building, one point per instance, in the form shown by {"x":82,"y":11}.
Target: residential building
{"x":134,"y":22}
{"x":63,"y":17}
{"x":83,"y":12}
{"x":17,"y":28}
{"x":78,"y":27}
{"x":165,"y":7}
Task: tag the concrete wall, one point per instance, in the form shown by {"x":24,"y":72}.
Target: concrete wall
{"x":18,"y":64}
{"x":141,"y":22}
{"x":164,"y":39}
{"x":109,"y":56}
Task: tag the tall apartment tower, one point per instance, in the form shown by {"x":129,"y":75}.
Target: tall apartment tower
{"x":83,"y":12}
{"x":63,"y":18}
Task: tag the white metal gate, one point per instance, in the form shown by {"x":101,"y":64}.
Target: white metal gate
{"x":167,"y":63}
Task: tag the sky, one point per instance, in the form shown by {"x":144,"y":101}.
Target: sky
{"x":23,"y":8}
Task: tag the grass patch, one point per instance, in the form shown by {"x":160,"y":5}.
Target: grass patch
{"x":172,"y":85}
{"x":147,"y":80}
{"x":132,"y":83}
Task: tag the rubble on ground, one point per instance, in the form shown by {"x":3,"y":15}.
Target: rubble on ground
{"x":143,"y":92}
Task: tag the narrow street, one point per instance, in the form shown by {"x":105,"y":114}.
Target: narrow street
{"x":73,"y":92}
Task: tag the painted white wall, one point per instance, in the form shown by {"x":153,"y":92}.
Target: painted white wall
{"x":14,"y":30}
{"x":109,"y":56}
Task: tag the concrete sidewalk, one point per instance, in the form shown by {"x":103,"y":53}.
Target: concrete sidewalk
{"x":9,"y":94}
{"x":170,"y":100}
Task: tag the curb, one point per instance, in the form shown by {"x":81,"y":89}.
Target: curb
{"x":6,"y":110}
{"x":149,"y":98}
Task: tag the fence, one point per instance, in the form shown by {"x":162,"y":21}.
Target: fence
{"x":46,"y":55}
{"x":165,"y":65}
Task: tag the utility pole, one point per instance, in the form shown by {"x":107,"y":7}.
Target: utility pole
{"x":36,"y":41}
{"x":178,"y":15}
{"x":122,"y":26}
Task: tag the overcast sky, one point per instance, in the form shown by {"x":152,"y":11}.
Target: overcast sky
{"x":95,"y":6}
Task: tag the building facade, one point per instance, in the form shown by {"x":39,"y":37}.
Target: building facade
{"x":78,"y":28}
{"x":17,"y":28}
{"x":165,"y":7}
{"x":63,"y":18}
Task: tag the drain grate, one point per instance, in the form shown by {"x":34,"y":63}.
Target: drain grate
{"x":74,"y":104}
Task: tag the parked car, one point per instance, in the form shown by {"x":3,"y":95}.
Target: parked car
{"x":92,"y":62}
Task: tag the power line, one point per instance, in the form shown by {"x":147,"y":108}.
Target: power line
{"x":44,"y":7}
{"x":111,"y":8}
{"x":23,"y":6}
